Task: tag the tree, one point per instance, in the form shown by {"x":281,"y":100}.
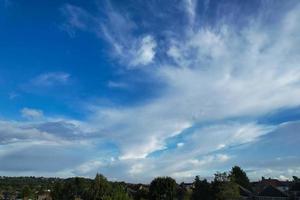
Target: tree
{"x":100,"y":188}
{"x":201,"y":190}
{"x":26,"y":192}
{"x":57,"y":191}
{"x":119,"y":192}
{"x":181,"y":192}
{"x":296,"y":179}
{"x":239,"y":176}
{"x":228,"y":190}
{"x":141,"y":193}
{"x":224,"y":188}
{"x":162,"y":188}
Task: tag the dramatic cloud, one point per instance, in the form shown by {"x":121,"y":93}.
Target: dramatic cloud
{"x":216,"y":82}
{"x":231,"y":75}
{"x":217,"y":74}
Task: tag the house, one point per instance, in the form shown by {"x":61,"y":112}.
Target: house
{"x":280,"y":185}
{"x":271,"y":193}
{"x":245,"y":194}
{"x":295,"y":191}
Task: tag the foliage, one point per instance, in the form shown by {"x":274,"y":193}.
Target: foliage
{"x":32,"y":182}
{"x":296,"y":179}
{"x":181,"y":192}
{"x":201,"y":190}
{"x":139,"y":191}
{"x":162,"y":188}
{"x":238,"y":176}
{"x":98,"y":189}
{"x":119,"y":192}
{"x":224,"y":188}
{"x":70,"y":188}
{"x":26,"y":192}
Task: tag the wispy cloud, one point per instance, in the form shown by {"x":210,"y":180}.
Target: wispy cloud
{"x":30,"y":113}
{"x":145,"y":53}
{"x":121,"y":85}
{"x":13,"y":95}
{"x":217,"y":74}
{"x":51,"y":79}
{"x":245,"y":85}
{"x":117,"y":29}
{"x":78,"y":18}
{"x":190,"y":6}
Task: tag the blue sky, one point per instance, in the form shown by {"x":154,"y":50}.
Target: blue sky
{"x":138,"y":89}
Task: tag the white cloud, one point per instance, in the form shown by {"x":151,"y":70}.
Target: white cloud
{"x":190,"y":6}
{"x":137,"y":169}
{"x":179,"y":144}
{"x":117,"y":29}
{"x":145,"y":52}
{"x":31,"y":113}
{"x":78,"y":18}
{"x":121,"y":85}
{"x":219,"y":82}
{"x":138,"y":131}
{"x":222,"y":75}
{"x":12,"y":132}
{"x":219,"y":74}
{"x":88,"y":167}
{"x":13,"y":95}
{"x":223,"y":157}
{"x":51,"y":78}
{"x":278,"y":173}
{"x":49,"y":130}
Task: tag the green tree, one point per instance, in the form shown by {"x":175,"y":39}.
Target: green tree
{"x":181,"y":192}
{"x":57,"y":191}
{"x":119,"y":192}
{"x":240,"y":177}
{"x":224,"y":188}
{"x":100,"y":188}
{"x":201,"y":190}
{"x":141,"y":193}
{"x":69,"y":188}
{"x":163,"y":188}
{"x":296,"y":179}
{"x":68,"y":191}
{"x":26,"y":192}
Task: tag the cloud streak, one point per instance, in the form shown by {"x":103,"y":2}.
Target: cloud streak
{"x":50,"y":79}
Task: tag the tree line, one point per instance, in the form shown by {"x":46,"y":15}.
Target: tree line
{"x":223,"y":186}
